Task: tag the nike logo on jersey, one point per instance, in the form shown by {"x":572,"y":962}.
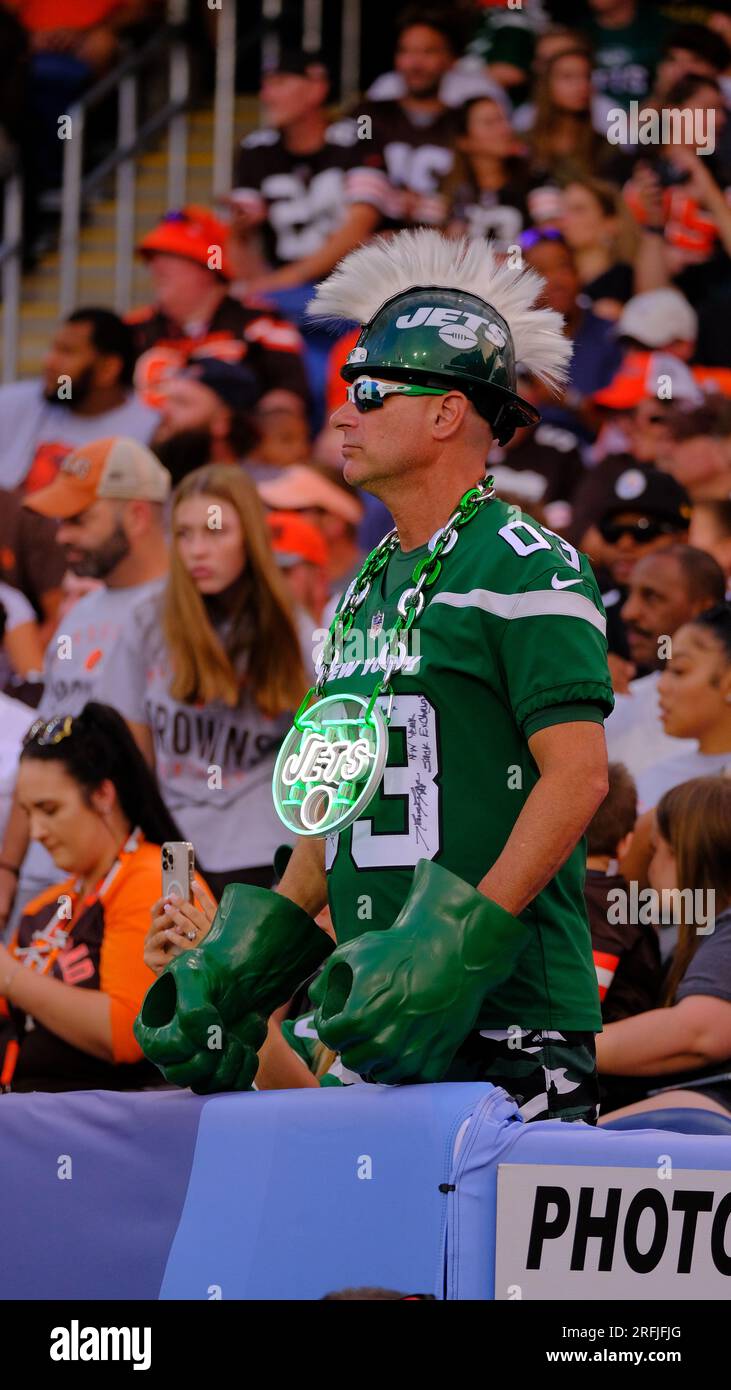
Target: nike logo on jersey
{"x":557,"y":583}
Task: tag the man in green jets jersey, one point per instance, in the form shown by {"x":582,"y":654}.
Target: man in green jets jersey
{"x":456,"y":881}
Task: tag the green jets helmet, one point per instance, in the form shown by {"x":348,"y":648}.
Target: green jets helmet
{"x":443,"y":313}
{"x":432,"y":336}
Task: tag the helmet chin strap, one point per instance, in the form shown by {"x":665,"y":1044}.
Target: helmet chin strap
{"x":501,"y":425}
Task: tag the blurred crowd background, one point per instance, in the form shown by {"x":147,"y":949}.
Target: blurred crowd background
{"x":159,"y":659}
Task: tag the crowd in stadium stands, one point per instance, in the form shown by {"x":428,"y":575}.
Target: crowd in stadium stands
{"x":151,"y":662}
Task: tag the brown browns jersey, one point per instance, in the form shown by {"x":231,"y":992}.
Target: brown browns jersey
{"x":301,"y":197}
{"x":416,"y":157}
{"x":260,"y":337}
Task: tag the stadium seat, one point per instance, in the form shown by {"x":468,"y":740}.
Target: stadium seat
{"x":680,"y":1119}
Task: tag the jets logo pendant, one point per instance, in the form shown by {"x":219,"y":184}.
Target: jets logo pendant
{"x":330,"y":765}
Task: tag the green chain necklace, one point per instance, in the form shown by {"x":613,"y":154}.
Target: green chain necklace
{"x":331,"y":761}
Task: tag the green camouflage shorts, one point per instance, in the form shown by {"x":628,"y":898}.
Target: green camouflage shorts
{"x":551,"y":1076}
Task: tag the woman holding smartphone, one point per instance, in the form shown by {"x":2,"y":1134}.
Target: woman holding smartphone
{"x":209,"y":676}
{"x":291,"y":1055}
{"x":73,"y":978}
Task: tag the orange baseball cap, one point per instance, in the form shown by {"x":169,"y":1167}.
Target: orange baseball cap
{"x":627,"y":387}
{"x":193,"y":233}
{"x":637,"y":380}
{"x":294,"y":539}
{"x":119,"y":469}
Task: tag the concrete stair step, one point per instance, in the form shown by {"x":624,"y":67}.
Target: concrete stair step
{"x":158,"y":159}
{"x":39,"y":313}
{"x":86,"y":258}
{"x":149,"y":205}
{"x":98,"y":283}
{"x":151,"y":185}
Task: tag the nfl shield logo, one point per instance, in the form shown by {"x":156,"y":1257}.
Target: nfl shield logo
{"x":376,"y":625}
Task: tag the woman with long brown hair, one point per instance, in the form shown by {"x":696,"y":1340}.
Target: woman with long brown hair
{"x":563,"y":142}
{"x":209,"y":676}
{"x":679,"y":1054}
{"x":604,"y":239}
{"x":486,"y":192}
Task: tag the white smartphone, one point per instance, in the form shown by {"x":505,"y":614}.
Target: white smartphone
{"x":178,"y":868}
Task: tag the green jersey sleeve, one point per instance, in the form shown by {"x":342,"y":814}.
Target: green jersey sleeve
{"x":553,"y":649}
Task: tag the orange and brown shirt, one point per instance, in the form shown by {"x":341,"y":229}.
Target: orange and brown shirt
{"x":90,"y":943}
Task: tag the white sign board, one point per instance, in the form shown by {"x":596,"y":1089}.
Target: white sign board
{"x":569,"y":1232}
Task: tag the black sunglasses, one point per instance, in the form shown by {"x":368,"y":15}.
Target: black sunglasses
{"x":641,"y":531}
{"x":535,"y":235}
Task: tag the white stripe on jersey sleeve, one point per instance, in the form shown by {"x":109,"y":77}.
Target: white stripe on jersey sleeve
{"x":534,"y":603}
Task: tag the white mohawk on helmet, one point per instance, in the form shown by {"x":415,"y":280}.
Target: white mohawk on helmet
{"x":390,"y":265}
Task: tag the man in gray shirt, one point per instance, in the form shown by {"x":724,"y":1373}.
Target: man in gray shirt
{"x":85,"y":393}
{"x":109,"y":497}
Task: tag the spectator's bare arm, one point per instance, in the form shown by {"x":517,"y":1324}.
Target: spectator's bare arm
{"x":644,"y":196}
{"x":82,"y":1017}
{"x":555,"y":814}
{"x":12,"y":853}
{"x":304,"y":879}
{"x":652,"y":269}
{"x":24,"y":647}
{"x":690,"y":1034}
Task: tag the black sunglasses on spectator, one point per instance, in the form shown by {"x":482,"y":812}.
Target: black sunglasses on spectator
{"x":535,"y":235}
{"x":641,"y":531}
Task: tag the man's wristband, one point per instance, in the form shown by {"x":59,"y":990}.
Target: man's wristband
{"x":12,"y":868}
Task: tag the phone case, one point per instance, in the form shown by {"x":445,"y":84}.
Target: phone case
{"x":178,"y":867}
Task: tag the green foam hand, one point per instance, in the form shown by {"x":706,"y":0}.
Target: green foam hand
{"x":397,"y":1004}
{"x":204,"y":1019}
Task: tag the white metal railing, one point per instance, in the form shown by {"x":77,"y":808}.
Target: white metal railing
{"x":311,"y":38}
{"x":11,"y":259}
{"x":224,"y":101}
{"x":133,"y":138}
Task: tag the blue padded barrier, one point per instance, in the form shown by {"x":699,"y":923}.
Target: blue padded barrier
{"x":679,"y":1119}
{"x":296,"y":1193}
{"x":291,"y":1194}
{"x":93,"y":1183}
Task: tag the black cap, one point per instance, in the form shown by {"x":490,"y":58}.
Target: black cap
{"x":237,"y":387}
{"x":600,"y":494}
{"x":646,"y":490}
{"x":293,"y":60}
